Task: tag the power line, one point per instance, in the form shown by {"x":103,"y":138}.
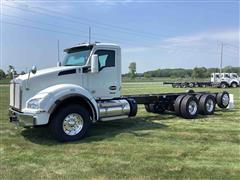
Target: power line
{"x":232,"y":46}
{"x":54,"y":25}
{"x":39,"y":28}
{"x":61,"y":32}
{"x":39,"y":22}
{"x":78,"y":35}
{"x":101,"y":24}
{"x":78,"y":19}
{"x":72,"y":34}
{"x":65,"y":19}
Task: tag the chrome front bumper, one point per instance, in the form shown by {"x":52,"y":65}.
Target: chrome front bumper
{"x":19,"y":118}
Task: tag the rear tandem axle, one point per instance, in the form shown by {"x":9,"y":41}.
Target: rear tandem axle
{"x":187,"y":105}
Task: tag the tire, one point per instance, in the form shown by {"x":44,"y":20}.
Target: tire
{"x":174,"y":85}
{"x":183,"y":85}
{"x":147,"y":108}
{"x":198,"y":96}
{"x":234,"y":85}
{"x":207,"y":104}
{"x":154,"y":108}
{"x":158,"y":109}
{"x":223,"y":99}
{"x":191,"y":85}
{"x":177,"y":104}
{"x":190,"y":91}
{"x":66,"y":115}
{"x":133,"y":107}
{"x":189,"y":107}
{"x":223,"y":85}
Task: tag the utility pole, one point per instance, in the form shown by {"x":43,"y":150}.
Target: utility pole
{"x":89,"y":35}
{"x":221,"y":62}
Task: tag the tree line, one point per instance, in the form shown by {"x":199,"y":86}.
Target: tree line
{"x":9,"y":73}
{"x":197,"y":72}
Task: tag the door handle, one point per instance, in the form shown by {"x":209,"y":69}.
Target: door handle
{"x":112,"y":88}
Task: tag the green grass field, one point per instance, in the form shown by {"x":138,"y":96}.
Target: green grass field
{"x":149,"y":146}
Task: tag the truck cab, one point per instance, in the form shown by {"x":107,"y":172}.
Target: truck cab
{"x":234,"y":76}
{"x":225,"y":80}
{"x":105,"y":83}
{"x":215,"y":78}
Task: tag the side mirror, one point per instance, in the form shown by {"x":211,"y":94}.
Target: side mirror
{"x":13,"y":72}
{"x":59,"y":63}
{"x":94,"y":63}
{"x":34,"y":69}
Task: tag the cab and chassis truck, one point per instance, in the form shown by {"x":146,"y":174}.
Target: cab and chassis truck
{"x":86,"y":89}
{"x":222,"y":80}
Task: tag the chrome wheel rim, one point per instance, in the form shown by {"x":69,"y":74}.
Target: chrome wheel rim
{"x":72,"y":124}
{"x":209,"y":105}
{"x":192,"y":107}
{"x":225,"y":100}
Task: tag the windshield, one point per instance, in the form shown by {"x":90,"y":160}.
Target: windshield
{"x":77,"y":57}
{"x":226,"y":76}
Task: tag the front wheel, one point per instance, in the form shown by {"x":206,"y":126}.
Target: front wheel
{"x":70,"y":123}
{"x":223,"y":85}
{"x":234,"y":85}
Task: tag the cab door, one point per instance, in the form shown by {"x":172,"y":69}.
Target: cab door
{"x":106,"y":83}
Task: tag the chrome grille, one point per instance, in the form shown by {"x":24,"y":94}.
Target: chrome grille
{"x":15,"y":95}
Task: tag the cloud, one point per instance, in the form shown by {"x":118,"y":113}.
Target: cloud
{"x":42,"y":5}
{"x":111,"y":2}
{"x":193,"y":42}
{"x":200,"y":49}
{"x":220,"y":36}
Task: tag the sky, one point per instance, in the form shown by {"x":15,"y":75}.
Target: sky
{"x":154,"y":34}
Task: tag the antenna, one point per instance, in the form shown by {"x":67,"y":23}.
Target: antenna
{"x":221,"y":62}
{"x":58,"y":51}
{"x":89,"y":34}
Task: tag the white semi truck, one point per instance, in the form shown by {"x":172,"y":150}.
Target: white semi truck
{"x":223,"y":80}
{"x":86,"y":88}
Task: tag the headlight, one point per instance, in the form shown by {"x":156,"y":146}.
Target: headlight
{"x":34,"y":103}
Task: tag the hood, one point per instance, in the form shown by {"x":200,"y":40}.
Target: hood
{"x":44,"y":72}
{"x":46,"y":78}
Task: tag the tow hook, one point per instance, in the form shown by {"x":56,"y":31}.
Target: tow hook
{"x":14,"y":119}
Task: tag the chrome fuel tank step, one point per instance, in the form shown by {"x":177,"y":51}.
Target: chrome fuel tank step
{"x":113,"y":109}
